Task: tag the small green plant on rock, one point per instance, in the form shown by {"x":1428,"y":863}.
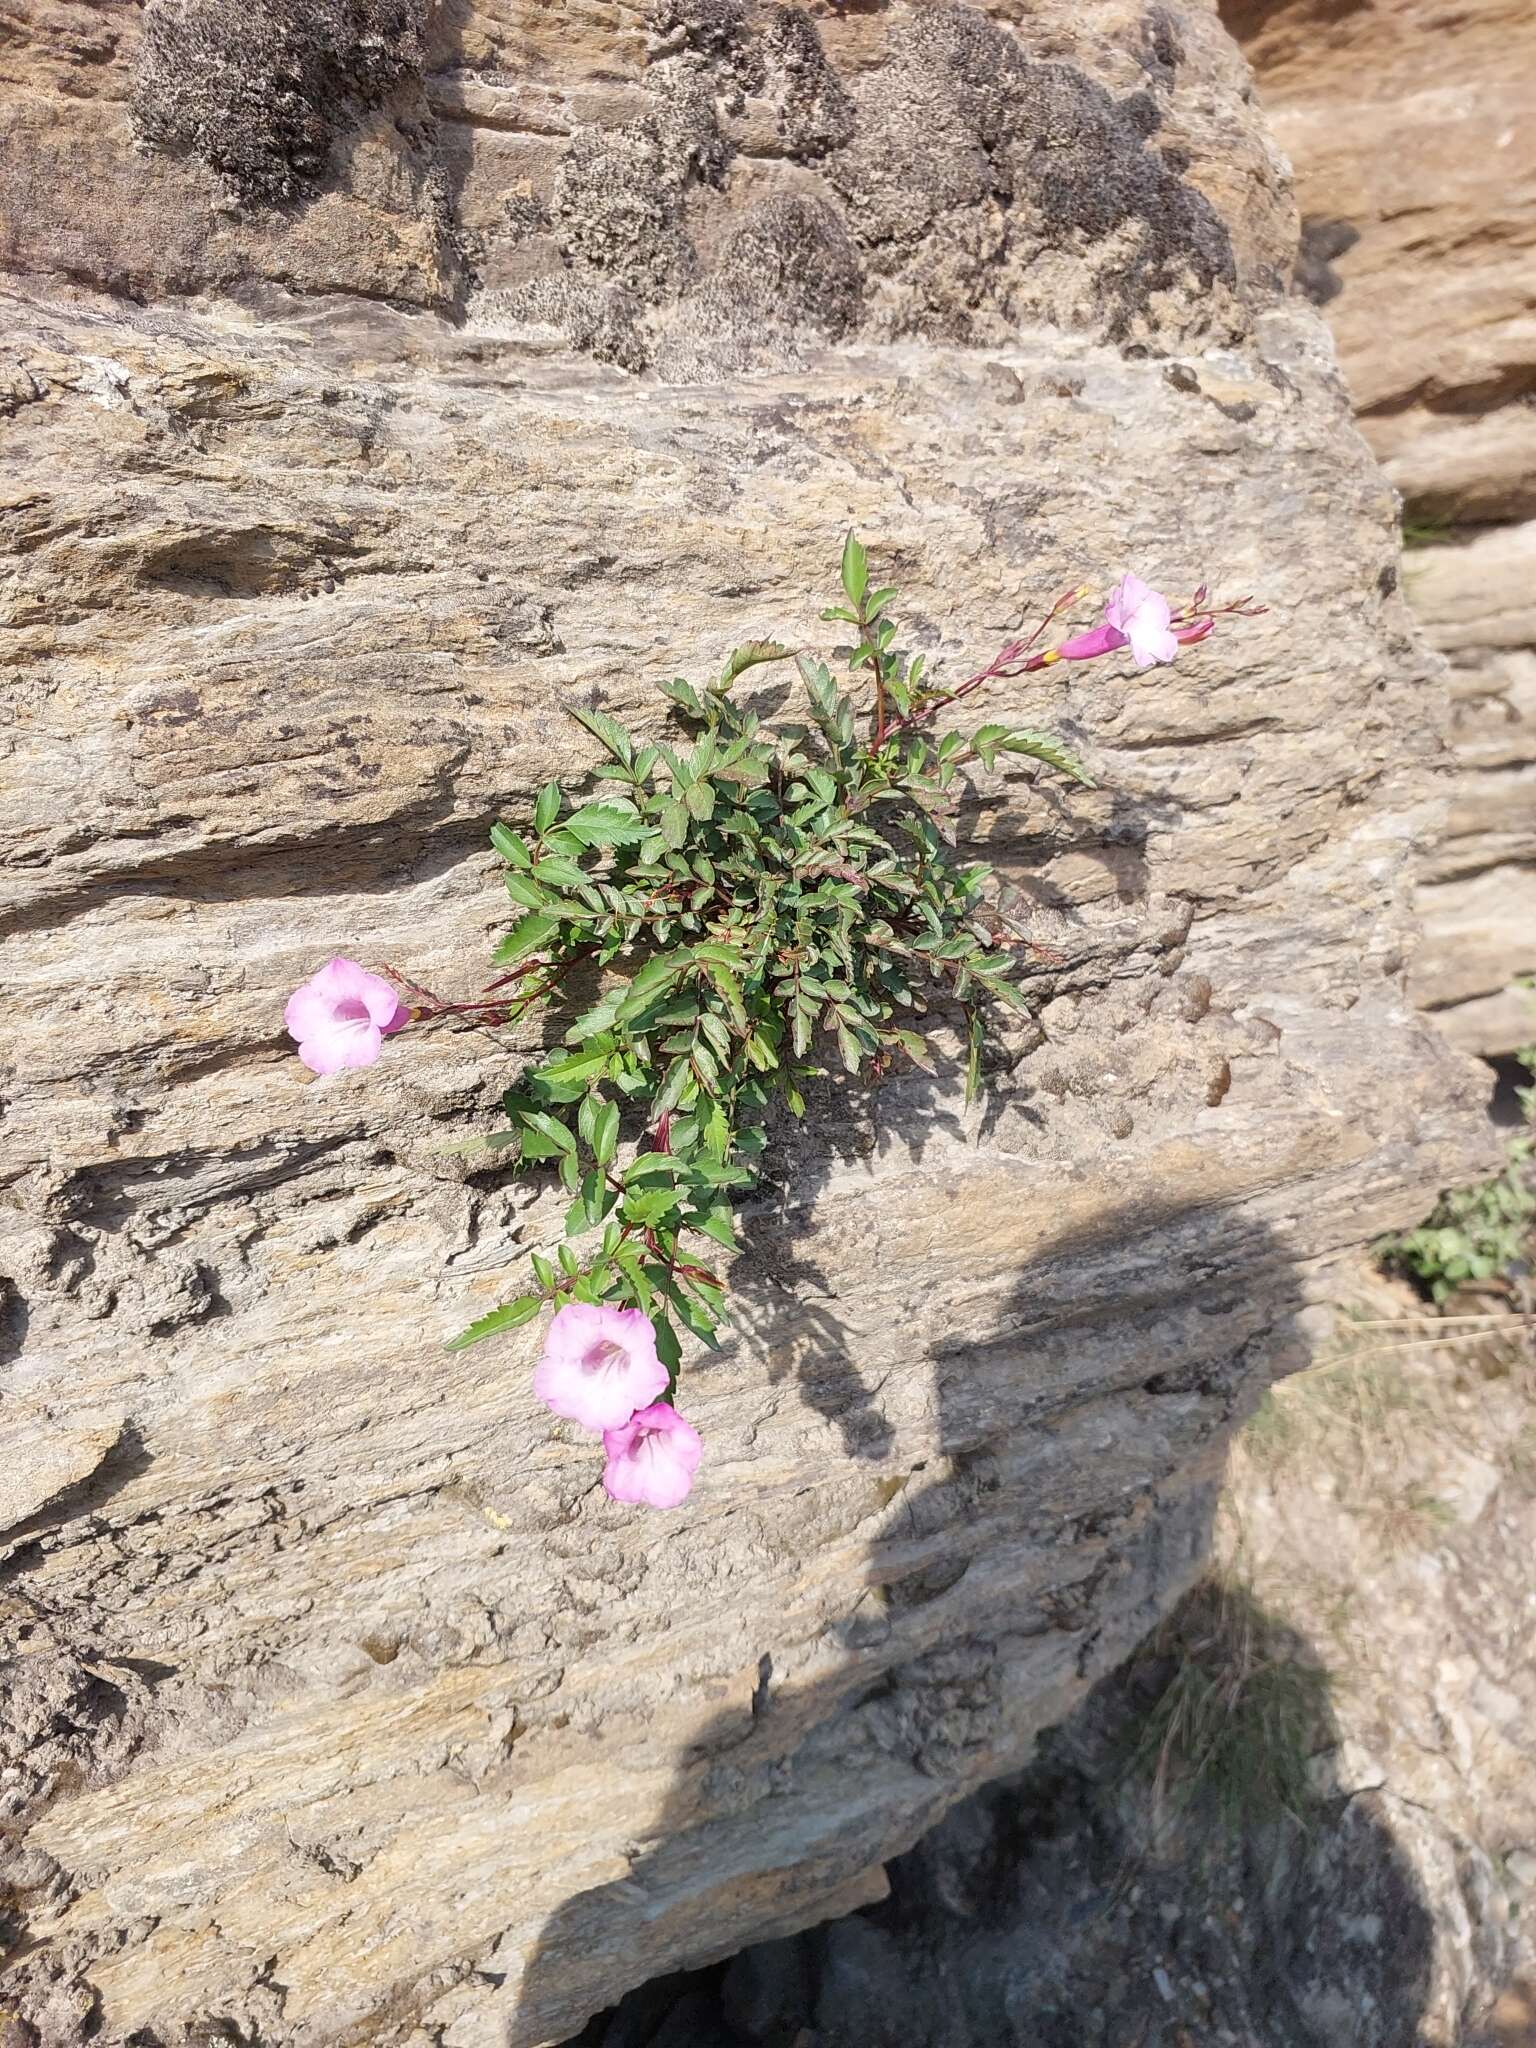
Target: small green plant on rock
{"x":749,"y":906}
{"x":1478,"y":1234}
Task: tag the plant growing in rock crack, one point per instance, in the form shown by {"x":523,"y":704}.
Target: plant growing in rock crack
{"x":1482,"y":1235}
{"x":759,"y":901}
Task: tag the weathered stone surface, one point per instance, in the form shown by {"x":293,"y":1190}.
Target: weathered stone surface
{"x":1415,"y":161}
{"x":1329,"y":1841}
{"x":342,"y":1703}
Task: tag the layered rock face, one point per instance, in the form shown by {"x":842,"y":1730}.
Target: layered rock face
{"x":1415,"y":162}
{"x":381,"y":383}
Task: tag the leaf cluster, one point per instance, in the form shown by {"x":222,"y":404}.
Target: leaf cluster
{"x":749,"y":905}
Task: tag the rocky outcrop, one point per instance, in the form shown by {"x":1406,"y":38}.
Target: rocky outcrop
{"x":1415,"y":164}
{"x":1303,"y":1813}
{"x":378,"y":389}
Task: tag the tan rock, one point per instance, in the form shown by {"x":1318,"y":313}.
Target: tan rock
{"x":1415,"y":160}
{"x":410,"y":1733}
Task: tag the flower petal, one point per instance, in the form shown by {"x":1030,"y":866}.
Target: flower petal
{"x":1084,"y":646}
{"x":1152,"y":644}
{"x":651,"y":1460}
{"x":337,"y":1045}
{"x":307,"y":1011}
{"x":599,"y":1365}
{"x":1128,"y":596}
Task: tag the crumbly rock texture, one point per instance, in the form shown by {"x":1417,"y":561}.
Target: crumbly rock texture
{"x":376,"y":386}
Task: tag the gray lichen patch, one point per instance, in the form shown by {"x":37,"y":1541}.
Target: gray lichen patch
{"x":259,"y":90}
{"x":789,"y":273}
{"x":957,"y":191}
{"x":814,"y":111}
{"x":971,"y":162}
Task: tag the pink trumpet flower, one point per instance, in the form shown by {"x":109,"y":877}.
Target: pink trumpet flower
{"x":1140,"y":618}
{"x":341,"y":1017}
{"x":652,"y":1458}
{"x":599,"y":1365}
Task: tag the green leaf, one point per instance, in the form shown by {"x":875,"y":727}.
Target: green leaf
{"x":605,"y":1134}
{"x":668,"y":1350}
{"x":550,"y":1127}
{"x":686,"y":695}
{"x":525,"y":890}
{"x":973,"y":1041}
{"x":569,"y":1067}
{"x":560,"y":874}
{"x":700,"y":801}
{"x":630,"y":1261}
{"x":655,"y":976}
{"x":510,"y":1316}
{"x":1040,"y":746}
{"x":601,"y":727}
{"x":855,"y":569}
{"x":718,"y":1224}
{"x":601,"y":1017}
{"x":547,"y":809}
{"x":606,"y":825}
{"x":753,"y":655}
{"x":526,"y":938}
{"x":916,"y":1049}
{"x":511,"y":846}
{"x":674,"y":824}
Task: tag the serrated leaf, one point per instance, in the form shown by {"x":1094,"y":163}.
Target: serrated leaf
{"x":525,"y":938}
{"x":753,"y":655}
{"x":602,"y":727}
{"x":570,"y":1067}
{"x":510,"y":845}
{"x":605,"y":1134}
{"x":1040,"y":746}
{"x":510,"y":1316}
{"x":560,"y":874}
{"x":668,"y":1350}
{"x":916,"y":1049}
{"x":686,"y":695}
{"x":606,"y":825}
{"x":551,"y":1128}
{"x":719,"y":1224}
{"x":525,"y":890}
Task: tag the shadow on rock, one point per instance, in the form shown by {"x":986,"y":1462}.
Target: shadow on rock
{"x":1164,"y":1873}
{"x":1069,"y":1507}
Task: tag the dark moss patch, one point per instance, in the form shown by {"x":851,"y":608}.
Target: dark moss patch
{"x":618,"y":209}
{"x":712,"y":28}
{"x":259,"y":90}
{"x":1162,"y":47}
{"x":600,"y":321}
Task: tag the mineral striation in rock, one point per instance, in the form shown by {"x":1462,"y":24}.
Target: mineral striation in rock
{"x":381,"y":382}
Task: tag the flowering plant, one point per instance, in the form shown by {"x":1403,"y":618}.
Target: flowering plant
{"x":749,"y":904}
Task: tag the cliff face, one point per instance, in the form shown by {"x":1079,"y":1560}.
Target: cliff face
{"x":1415,"y":164}
{"x":378,"y":386}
